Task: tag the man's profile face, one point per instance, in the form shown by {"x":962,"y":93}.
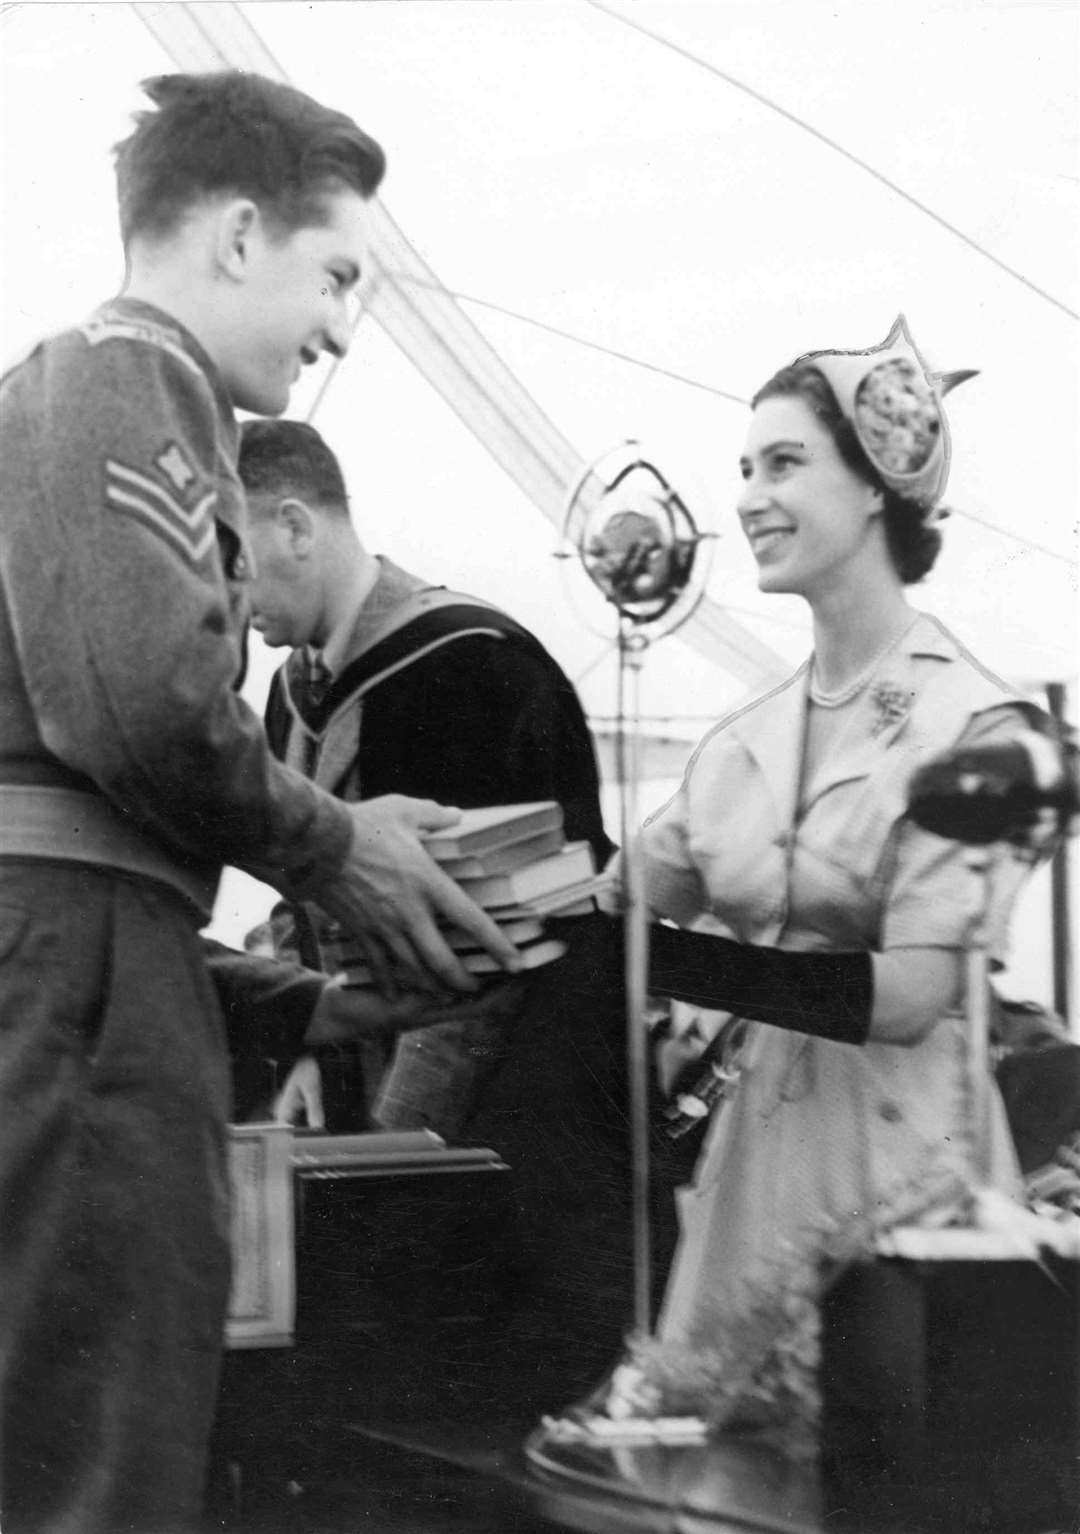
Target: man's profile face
{"x":282,"y":603}
{"x":295,"y":302}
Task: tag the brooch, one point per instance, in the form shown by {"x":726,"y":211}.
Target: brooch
{"x":891,"y":705}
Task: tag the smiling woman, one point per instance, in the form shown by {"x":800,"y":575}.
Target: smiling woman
{"x":809,"y":519}
{"x":840,"y":979}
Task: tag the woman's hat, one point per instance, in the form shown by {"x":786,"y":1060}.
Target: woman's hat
{"x":893,"y":402}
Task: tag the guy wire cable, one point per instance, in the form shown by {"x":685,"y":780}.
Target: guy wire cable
{"x":830,"y":143}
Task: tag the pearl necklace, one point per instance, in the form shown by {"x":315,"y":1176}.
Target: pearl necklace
{"x":851,"y":690}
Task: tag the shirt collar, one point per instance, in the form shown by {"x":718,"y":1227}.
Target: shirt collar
{"x":392,"y":585}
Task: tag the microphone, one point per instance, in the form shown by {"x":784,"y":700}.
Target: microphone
{"x":634,"y":560}
{"x":1023,"y":791}
{"x":636,"y":538}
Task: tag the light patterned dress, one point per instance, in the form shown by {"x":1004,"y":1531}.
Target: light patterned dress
{"x":822,"y":1144}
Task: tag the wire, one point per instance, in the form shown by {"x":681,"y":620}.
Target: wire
{"x":567,"y":335}
{"x":831,"y":143}
{"x":694,"y":383}
{"x":1004,"y":532}
{"x":596,"y":660}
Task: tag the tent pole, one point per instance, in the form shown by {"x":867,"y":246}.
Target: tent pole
{"x":1060,"y":871}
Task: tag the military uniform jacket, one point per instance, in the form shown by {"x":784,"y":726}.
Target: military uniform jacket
{"x":122,"y":554}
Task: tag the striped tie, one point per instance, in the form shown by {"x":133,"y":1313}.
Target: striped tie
{"x":318,"y":680}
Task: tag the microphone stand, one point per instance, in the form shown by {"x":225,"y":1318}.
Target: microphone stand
{"x":632,"y":650}
{"x":638,"y":544}
{"x":980,"y":861}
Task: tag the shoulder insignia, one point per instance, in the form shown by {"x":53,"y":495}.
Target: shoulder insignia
{"x":189,"y":530}
{"x":101,"y":327}
{"x":173,"y":462}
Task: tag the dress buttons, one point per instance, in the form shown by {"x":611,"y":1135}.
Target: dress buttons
{"x":891,"y":1112}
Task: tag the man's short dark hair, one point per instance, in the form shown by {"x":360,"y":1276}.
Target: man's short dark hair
{"x":241,"y":134}
{"x":290,"y":458}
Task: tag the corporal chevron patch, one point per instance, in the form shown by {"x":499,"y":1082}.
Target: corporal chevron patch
{"x":187,"y":529}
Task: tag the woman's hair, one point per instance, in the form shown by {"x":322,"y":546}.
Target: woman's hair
{"x":240,"y":134}
{"x":913,"y":547}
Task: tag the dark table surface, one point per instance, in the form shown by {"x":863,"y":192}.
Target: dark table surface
{"x":424,"y":1363}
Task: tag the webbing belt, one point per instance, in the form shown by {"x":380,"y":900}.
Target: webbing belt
{"x":74,"y":827}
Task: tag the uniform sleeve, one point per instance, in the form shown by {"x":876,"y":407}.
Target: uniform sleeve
{"x":121,"y":614}
{"x":267,"y":1003}
{"x":933,"y":894}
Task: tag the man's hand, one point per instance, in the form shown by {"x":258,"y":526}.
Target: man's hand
{"x":300,"y":1099}
{"x":347,"y":1012}
{"x":392,"y":895}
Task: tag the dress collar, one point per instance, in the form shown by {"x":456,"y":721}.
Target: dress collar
{"x":772,"y":733}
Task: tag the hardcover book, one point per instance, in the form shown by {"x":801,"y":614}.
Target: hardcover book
{"x":571,"y":865}
{"x":501,"y":860}
{"x":378,"y":1154}
{"x":518,"y":929}
{"x":492,"y":826}
{"x":533,"y":955}
{"x":574,"y":900}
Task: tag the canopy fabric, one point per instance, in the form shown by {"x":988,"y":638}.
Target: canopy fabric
{"x":404,"y":295}
{"x":614,"y":221}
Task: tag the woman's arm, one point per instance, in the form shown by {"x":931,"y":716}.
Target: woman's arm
{"x":913,"y":988}
{"x":849,"y":998}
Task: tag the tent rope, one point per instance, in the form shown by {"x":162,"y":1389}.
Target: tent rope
{"x":831,"y":143}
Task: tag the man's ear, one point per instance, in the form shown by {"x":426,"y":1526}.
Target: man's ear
{"x":297,"y":520}
{"x":238,"y":225}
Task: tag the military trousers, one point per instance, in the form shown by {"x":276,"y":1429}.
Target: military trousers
{"x":114,"y":1254}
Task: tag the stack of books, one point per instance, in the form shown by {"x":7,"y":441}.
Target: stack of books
{"x":515,"y":862}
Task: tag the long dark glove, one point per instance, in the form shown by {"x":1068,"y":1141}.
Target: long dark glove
{"x":829,"y":995}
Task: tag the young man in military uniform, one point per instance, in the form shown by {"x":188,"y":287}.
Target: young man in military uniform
{"x":130,"y":771}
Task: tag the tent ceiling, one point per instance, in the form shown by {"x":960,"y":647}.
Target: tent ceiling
{"x":550,"y":161}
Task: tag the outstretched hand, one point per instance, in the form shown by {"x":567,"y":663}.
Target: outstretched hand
{"x":392,"y":895}
{"x":300,"y":1100}
{"x":347,"y":1012}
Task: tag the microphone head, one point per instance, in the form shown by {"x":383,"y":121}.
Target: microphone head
{"x":636,"y":539}
{"x":1022,"y":791}
{"x":635,"y":563}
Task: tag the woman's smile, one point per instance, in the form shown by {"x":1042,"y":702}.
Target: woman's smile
{"x":767,"y":542}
